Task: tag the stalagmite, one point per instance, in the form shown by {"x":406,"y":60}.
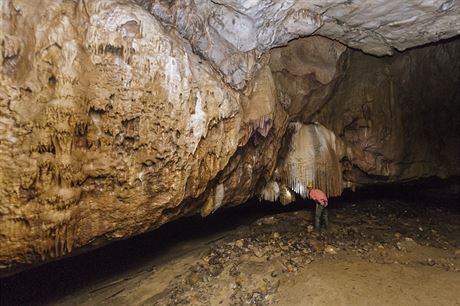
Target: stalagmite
{"x":286,"y":195}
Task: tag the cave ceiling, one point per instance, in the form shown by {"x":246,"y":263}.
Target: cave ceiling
{"x":232,"y":34}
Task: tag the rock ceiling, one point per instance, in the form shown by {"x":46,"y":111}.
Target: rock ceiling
{"x":224,"y":30}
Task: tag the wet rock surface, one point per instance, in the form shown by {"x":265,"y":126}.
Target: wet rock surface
{"x":111,"y":126}
{"x":257,"y":263}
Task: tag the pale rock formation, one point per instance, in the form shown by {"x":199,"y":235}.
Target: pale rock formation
{"x":233,"y":33}
{"x":111,"y":126}
{"x":264,"y":125}
{"x":313,"y":156}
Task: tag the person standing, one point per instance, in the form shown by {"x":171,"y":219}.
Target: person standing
{"x":321,"y":201}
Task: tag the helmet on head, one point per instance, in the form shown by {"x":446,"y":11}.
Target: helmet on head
{"x":310,"y":186}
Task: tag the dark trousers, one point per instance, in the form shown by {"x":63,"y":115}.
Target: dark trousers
{"x":321,"y":214}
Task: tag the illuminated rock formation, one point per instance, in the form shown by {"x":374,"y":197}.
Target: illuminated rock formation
{"x":398,"y":116}
{"x":111,"y":126}
{"x":313,"y":157}
{"x":119,"y":116}
{"x":232,"y":34}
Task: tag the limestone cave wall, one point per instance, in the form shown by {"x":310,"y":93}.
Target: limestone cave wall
{"x":398,"y":116}
{"x":119,"y":116}
{"x":112,"y":126}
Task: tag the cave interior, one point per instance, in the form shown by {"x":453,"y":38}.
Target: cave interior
{"x":160,"y":152}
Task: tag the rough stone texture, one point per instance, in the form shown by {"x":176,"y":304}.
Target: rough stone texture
{"x":399,"y":116}
{"x":232,"y":33}
{"x":112,"y":122}
{"x":254,"y":164}
{"x":306,"y":72}
{"x":111,"y":126}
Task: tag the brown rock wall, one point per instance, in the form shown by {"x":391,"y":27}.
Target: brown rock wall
{"x":306,"y":73}
{"x":111,"y":126}
{"x":399,"y":115}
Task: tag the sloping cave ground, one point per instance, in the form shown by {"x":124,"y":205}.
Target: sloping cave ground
{"x":388,"y":245}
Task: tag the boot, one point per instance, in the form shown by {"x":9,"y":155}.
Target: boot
{"x":317,"y":224}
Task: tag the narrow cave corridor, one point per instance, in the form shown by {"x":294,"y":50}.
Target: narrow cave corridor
{"x":384,"y":241}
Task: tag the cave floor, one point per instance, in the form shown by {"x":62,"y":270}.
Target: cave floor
{"x":376,"y":252}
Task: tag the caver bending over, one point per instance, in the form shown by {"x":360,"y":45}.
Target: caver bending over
{"x":320,"y":199}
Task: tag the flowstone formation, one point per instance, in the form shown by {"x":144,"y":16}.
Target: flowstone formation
{"x":313,"y":157}
{"x":119,"y":116}
{"x":112,"y":126}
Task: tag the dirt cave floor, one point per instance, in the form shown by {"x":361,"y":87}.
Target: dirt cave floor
{"x":376,"y":252}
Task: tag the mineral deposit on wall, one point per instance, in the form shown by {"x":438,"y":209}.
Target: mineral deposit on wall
{"x":119,"y":116}
{"x":399,"y":116}
{"x":111,"y":125}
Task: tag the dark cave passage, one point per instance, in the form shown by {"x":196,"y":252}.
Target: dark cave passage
{"x":120,"y":261}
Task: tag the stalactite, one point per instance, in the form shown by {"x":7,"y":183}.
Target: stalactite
{"x":312,"y":159}
{"x":261,"y":125}
{"x":271,"y":192}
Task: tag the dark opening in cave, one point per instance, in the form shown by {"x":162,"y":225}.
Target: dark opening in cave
{"x":413,"y":228}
